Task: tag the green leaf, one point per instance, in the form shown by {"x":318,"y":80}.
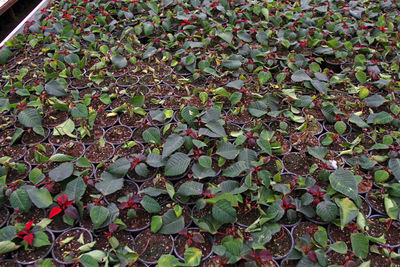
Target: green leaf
{"x":375,"y":101}
{"x":383,"y":118}
{"x":394,"y":165}
{"x":55,"y":88}
{"x":88,"y":261}
{"x":171,"y":223}
{"x":7,"y":233}
{"x":264,"y":76}
{"x":317,"y":152}
{"x":20,"y":199}
{"x":119,"y":61}
{"x":7,"y":246}
{"x":339,"y":247}
{"x":65,"y":128}
{"x":41,"y":198}
{"x":75,"y":189}
{"x":177,"y":164}
{"x":327,"y":210}
{"x":41,"y":239}
{"x":61,"y":158}
{"x":223,"y":212}
{"x":358,"y":121}
{"x":348,"y":211}
{"x":151,"y":50}
{"x":5,"y":53}
{"x":98,"y":215}
{"x":192,"y":256}
{"x":320,"y":86}
{"x":191,"y":188}
{"x":150,"y":204}
{"x":148,"y":28}
{"x":120,"y":167}
{"x":321,"y":237}
{"x":265,"y":145}
{"x":30,"y":118}
{"x":62,"y":172}
{"x":258,"y":109}
{"x":244,"y":36}
{"x":201,"y":172}
{"x":205,"y":161}
{"x":231,"y":64}
{"x":226,"y":36}
{"x":345,"y":182}
{"x":156,"y":223}
{"x":172,"y":143}
{"x":361,"y":76}
{"x":237,"y":84}
{"x":109,"y":184}
{"x":36,"y":176}
{"x":80,"y":111}
{"x":360,"y":245}
{"x":300,"y":76}
{"x":152,"y":136}
{"x":340,"y":127}
{"x":235,"y":169}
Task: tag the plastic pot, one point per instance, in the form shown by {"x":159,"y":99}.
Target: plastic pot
{"x":159,"y":240}
{"x":66,"y":234}
{"x":205,"y":235}
{"x":51,"y":239}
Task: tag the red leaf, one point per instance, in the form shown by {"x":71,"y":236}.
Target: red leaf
{"x":312,"y":255}
{"x":62,"y":199}
{"x":29,"y":238}
{"x":265,"y":255}
{"x":72,"y":212}
{"x":198,"y":238}
{"x":54,"y":212}
{"x":28,"y":225}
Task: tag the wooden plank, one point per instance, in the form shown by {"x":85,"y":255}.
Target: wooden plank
{"x":5,"y":5}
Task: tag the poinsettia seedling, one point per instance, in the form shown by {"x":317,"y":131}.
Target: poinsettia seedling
{"x":26,"y":233}
{"x":65,"y":206}
{"x":192,"y":237}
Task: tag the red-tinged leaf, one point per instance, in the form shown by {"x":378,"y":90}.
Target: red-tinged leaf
{"x":265,"y":255}
{"x":54,"y":212}
{"x":312,"y":255}
{"x":198,"y":238}
{"x":184,"y":231}
{"x":28,"y":225}
{"x":29,"y":239}
{"x":62,"y":199}
{"x":68,"y":203}
{"x":112,"y":227}
{"x":350,"y":264}
{"x":72,"y":212}
{"x":123,"y":205}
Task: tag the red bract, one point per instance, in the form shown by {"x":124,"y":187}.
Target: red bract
{"x":26,"y":234}
{"x":63,"y":203}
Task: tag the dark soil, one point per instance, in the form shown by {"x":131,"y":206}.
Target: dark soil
{"x":376,"y":201}
{"x":151,"y":246}
{"x":304,"y":228}
{"x":70,"y":250}
{"x":31,"y":137}
{"x":127,"y":120}
{"x":181,"y":243}
{"x":74,"y":149}
{"x":128,"y":188}
{"x":16,"y":151}
{"x":118,"y":134}
{"x":34,"y":214}
{"x":30,"y":155}
{"x":141,"y":220}
{"x":129,"y":151}
{"x":297,"y":163}
{"x":377,"y":229}
{"x":124,"y":239}
{"x":95,"y":153}
{"x":280,"y":244}
{"x":301,"y":140}
{"x":33,"y":253}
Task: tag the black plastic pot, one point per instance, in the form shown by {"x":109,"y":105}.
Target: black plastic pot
{"x":207,"y":235}
{"x":44,"y":255}
{"x":83,"y":230}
